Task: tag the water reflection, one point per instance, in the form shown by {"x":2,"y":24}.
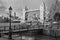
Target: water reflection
{"x":38,"y":37}
{"x":24,"y":38}
{"x":32,"y":35}
{"x":35,"y":38}
{"x":27,"y":38}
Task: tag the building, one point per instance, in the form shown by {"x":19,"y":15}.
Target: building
{"x":14,"y":14}
{"x":36,"y":14}
{"x":32,"y":15}
{"x":42,"y":12}
{"x":13,"y":18}
{"x":1,"y":19}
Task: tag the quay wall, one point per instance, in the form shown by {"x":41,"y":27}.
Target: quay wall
{"x":52,"y":32}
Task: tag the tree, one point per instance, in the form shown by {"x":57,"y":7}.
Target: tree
{"x":54,"y":8}
{"x":57,"y":16}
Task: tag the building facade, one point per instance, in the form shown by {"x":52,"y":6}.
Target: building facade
{"x":42,"y":12}
{"x":32,"y":15}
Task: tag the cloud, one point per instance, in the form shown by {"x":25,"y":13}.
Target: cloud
{"x":2,"y":6}
{"x":19,"y":4}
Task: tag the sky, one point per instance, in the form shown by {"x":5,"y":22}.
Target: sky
{"x":18,"y":5}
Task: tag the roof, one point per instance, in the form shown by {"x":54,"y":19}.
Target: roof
{"x":33,"y":10}
{"x":10,"y":8}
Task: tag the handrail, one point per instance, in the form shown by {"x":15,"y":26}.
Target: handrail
{"x":19,"y":28}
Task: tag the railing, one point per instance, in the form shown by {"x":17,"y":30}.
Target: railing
{"x":15,"y":28}
{"x":6,"y":28}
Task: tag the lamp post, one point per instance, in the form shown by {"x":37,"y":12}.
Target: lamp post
{"x":10,"y":31}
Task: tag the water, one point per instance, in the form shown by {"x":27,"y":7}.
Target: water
{"x":40,"y":37}
{"x":33,"y":36}
{"x":30,"y":35}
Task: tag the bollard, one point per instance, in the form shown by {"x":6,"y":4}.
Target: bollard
{"x":19,"y":27}
{"x":14,"y":27}
{"x":4,"y":28}
{"x":58,"y":27}
{"x":0,"y":35}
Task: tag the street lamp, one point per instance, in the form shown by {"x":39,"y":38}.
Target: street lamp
{"x":10,"y":31}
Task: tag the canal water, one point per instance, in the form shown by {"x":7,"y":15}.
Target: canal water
{"x":33,"y":35}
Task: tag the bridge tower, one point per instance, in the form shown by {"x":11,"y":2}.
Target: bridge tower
{"x":42,"y":12}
